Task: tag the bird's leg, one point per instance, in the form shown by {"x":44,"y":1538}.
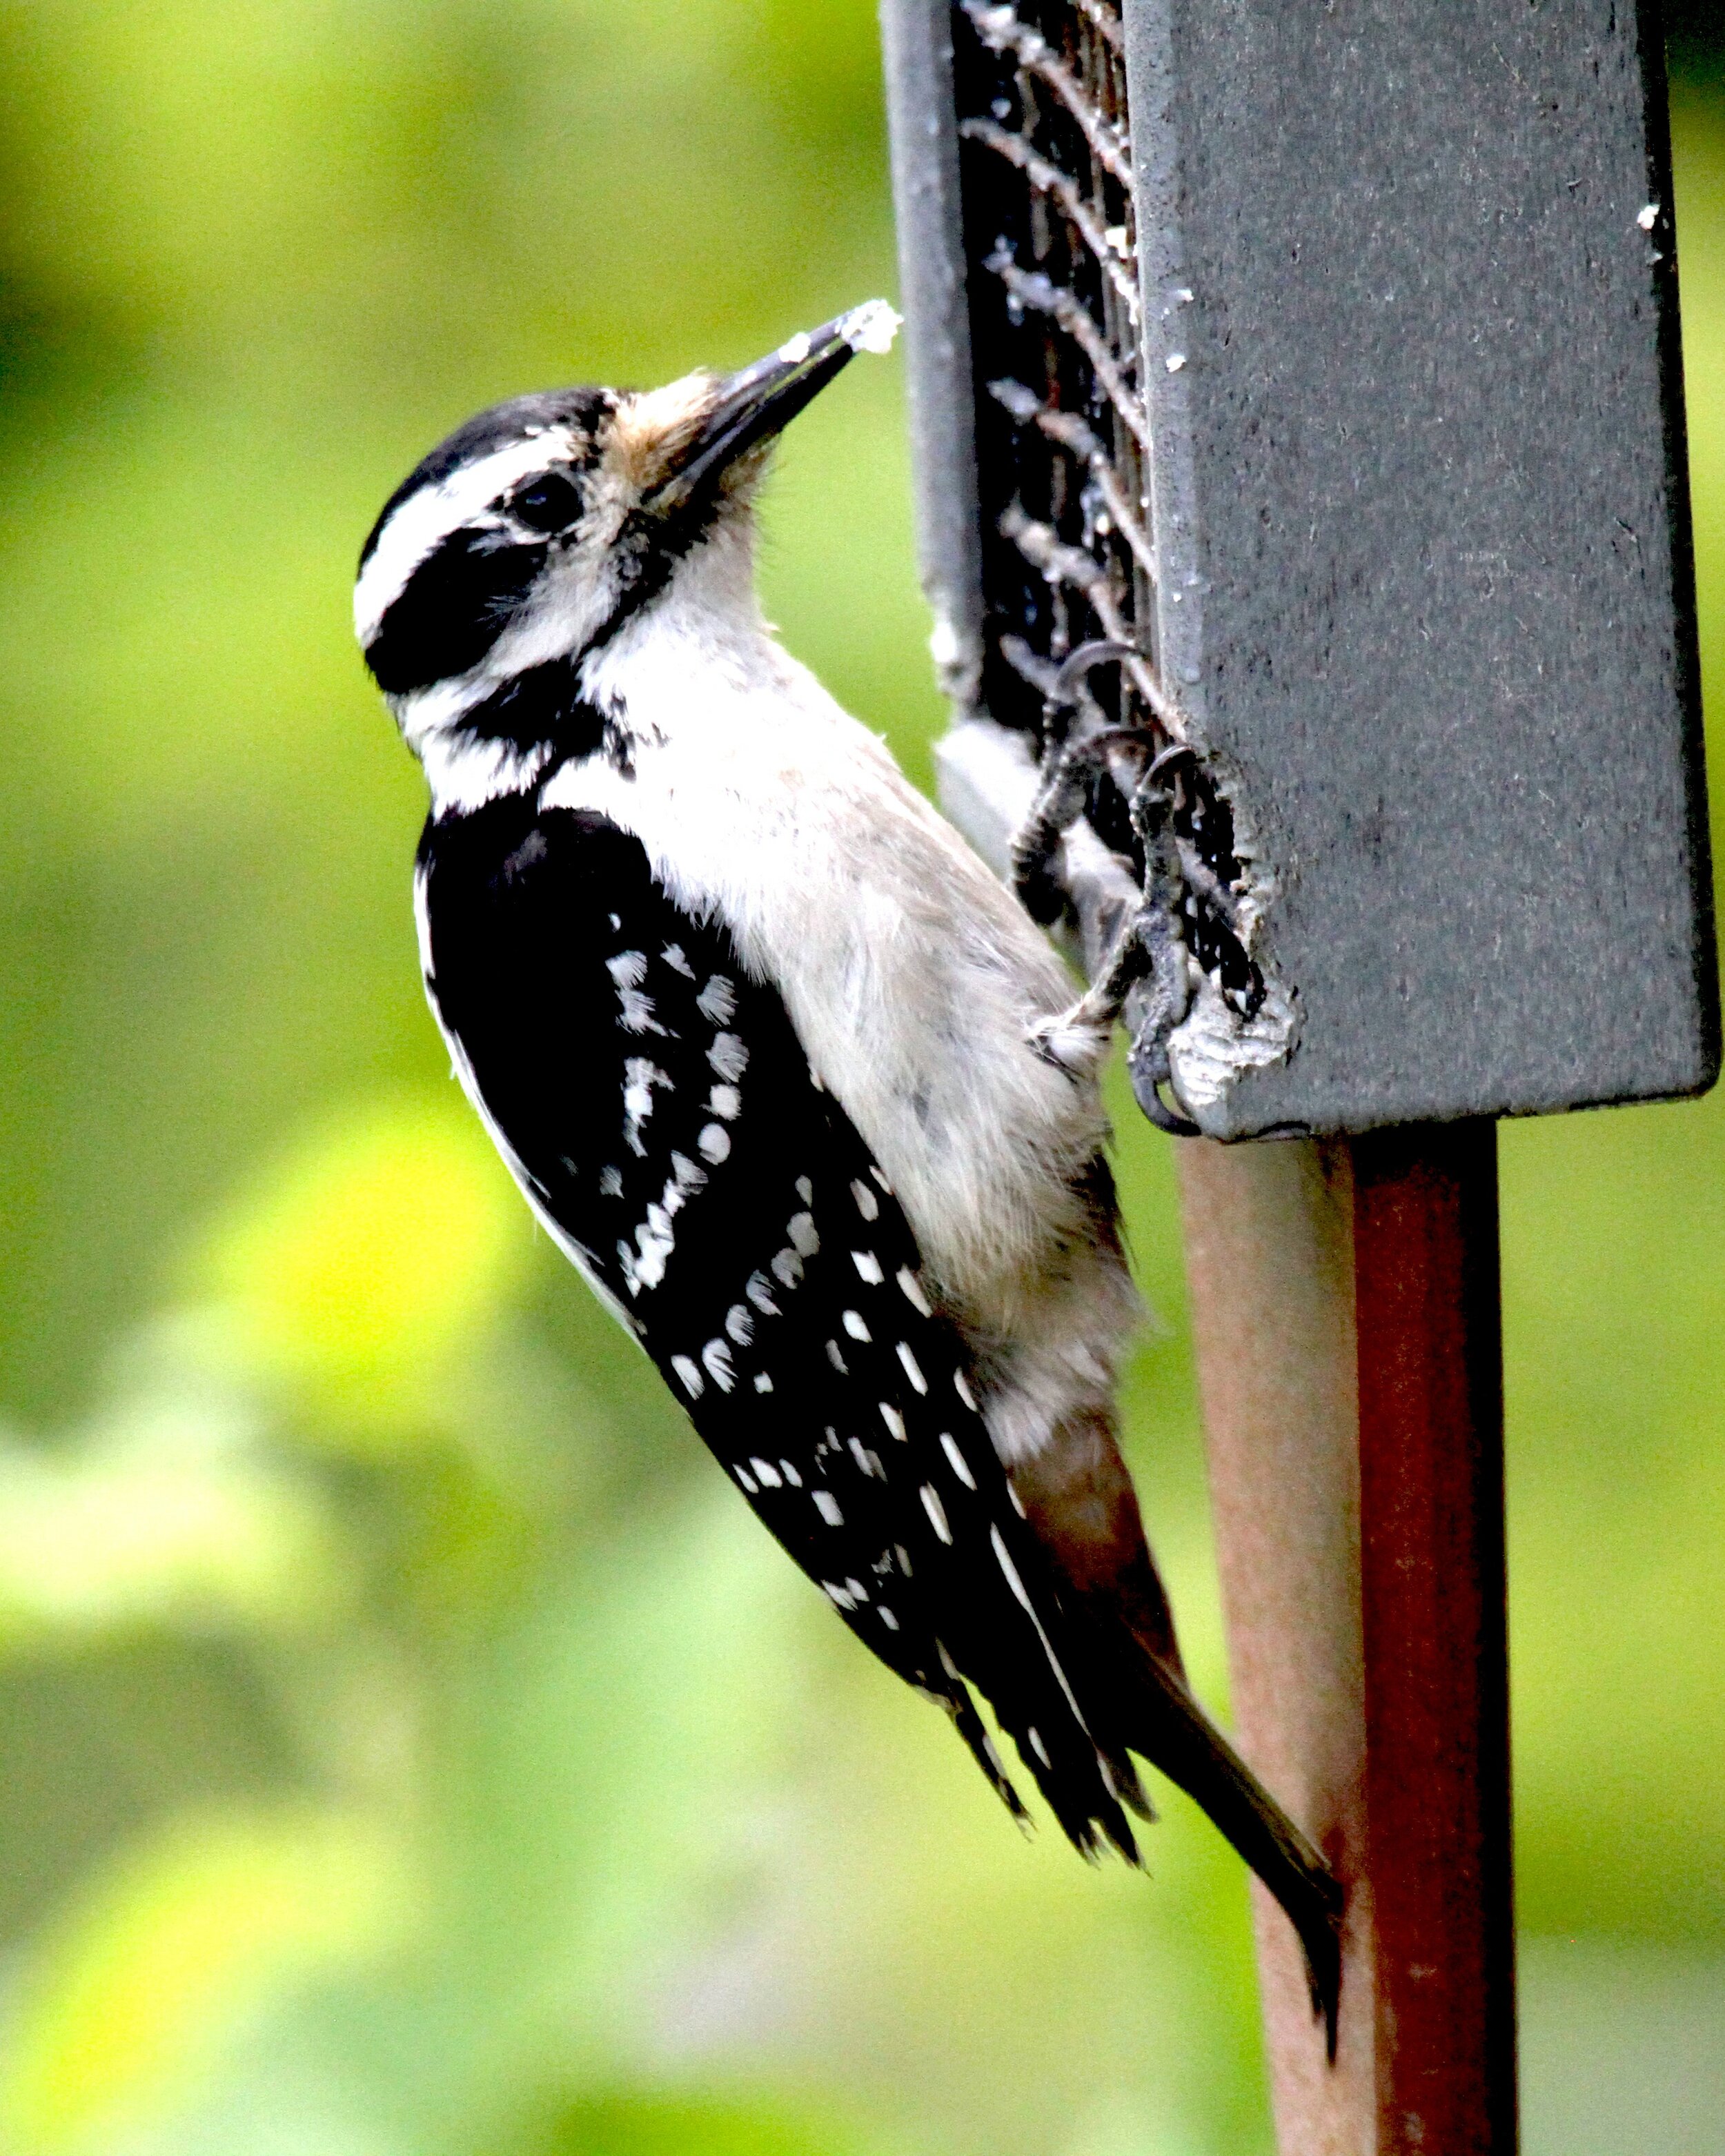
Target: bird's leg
{"x":1149,"y":949}
{"x":1166,"y":968}
{"x":1069,"y":769}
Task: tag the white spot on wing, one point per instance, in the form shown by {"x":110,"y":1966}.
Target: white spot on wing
{"x":692,"y":1381}
{"x":714,"y":1143}
{"x":805,"y":1190}
{"x":800,"y":1228}
{"x":893,"y":1419}
{"x":610,"y":1182}
{"x":960,"y":1466}
{"x":673,"y":956}
{"x":913,"y":1294}
{"x":717,"y":1000}
{"x":937,"y":1512}
{"x":629,"y":969}
{"x":961,"y":1385}
{"x":746,"y":1479}
{"x":643,"y":1265}
{"x":640,"y":1077}
{"x":867,"y":1204}
{"x":727,"y":1101}
{"x":767,"y":1473}
{"x":740,"y":1324}
{"x":788,"y":1269}
{"x":912,"y":1371}
{"x":655,"y":1239}
{"x":635,"y":1012}
{"x":728,"y":1057}
{"x":853,"y":1325}
{"x":836,"y":1359}
{"x":826,"y":1505}
{"x":763,"y":1383}
{"x":869,"y":1266}
{"x":756,"y":1289}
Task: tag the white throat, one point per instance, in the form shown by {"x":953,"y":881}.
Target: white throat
{"x":706,"y":627}
{"x":703,"y":636}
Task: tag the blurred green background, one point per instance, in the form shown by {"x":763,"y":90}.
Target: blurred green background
{"x":407,"y":1746}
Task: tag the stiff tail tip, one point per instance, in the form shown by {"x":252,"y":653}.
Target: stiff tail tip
{"x":1318,"y":1922}
{"x":1176,"y":1736}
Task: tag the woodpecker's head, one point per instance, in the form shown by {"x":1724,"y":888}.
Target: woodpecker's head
{"x":535,"y":530}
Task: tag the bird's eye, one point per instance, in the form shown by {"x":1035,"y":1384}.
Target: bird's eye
{"x":549,"y":503}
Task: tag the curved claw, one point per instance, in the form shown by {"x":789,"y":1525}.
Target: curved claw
{"x":1147,"y":1065}
{"x":1077,"y":664}
{"x":1165,"y":1119}
{"x":1175,"y":753}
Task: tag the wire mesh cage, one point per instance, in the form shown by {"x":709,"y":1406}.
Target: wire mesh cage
{"x":1062,"y":432}
{"x":1068,"y":639}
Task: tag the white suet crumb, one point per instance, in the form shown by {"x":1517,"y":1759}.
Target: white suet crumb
{"x":870,"y":327}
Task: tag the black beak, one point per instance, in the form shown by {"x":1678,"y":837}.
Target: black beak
{"x":761,"y":401}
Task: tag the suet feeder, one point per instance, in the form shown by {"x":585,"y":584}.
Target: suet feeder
{"x":1297,"y":405}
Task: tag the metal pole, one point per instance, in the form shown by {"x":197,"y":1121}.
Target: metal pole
{"x":1345,"y":1308}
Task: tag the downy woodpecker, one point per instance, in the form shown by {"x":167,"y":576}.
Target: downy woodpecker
{"x":777,"y":1062}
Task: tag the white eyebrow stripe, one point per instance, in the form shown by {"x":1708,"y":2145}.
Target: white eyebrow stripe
{"x":430,"y":515}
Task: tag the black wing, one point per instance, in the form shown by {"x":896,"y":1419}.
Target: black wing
{"x":661,"y":1113}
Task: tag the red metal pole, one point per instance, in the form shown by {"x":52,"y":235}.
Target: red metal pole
{"x":1345,"y":1302}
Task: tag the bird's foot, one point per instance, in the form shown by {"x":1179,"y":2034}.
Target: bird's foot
{"x":1076,"y":752}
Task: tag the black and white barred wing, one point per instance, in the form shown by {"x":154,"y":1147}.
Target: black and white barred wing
{"x":659,"y":1112}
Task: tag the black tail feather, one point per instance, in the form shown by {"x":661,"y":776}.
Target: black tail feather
{"x":1179,"y":1739}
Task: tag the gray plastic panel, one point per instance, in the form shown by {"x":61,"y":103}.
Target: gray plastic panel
{"x":1419,"y":509}
{"x":1422,"y":510}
